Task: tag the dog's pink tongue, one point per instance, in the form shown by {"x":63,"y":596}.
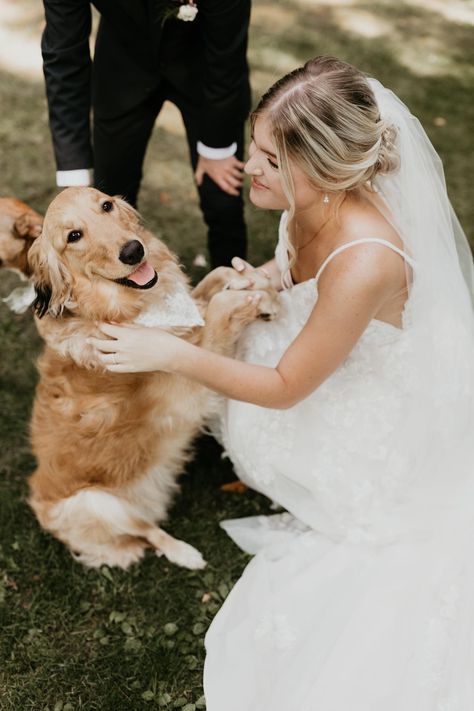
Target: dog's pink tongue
{"x":142,"y":275}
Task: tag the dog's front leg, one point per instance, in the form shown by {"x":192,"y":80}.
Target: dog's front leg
{"x":68,"y":337}
{"x":212,"y":283}
{"x":230,"y":311}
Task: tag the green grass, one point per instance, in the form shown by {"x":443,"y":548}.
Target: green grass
{"x":112,"y":640}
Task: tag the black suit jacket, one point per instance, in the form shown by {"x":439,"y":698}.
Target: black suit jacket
{"x":204,"y":59}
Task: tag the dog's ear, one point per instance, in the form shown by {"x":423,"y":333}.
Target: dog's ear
{"x":52,"y":281}
{"x":28,"y":225}
{"x":127,"y":210}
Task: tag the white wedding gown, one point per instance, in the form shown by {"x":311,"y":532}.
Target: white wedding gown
{"x":347,"y":605}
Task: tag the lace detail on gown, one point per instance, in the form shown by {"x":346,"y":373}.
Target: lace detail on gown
{"x":274,"y":631}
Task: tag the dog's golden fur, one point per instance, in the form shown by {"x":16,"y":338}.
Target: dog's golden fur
{"x":20,"y":225}
{"x":110,"y":446}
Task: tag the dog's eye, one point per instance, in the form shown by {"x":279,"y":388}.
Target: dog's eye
{"x":74,"y":235}
{"x":107,"y":206}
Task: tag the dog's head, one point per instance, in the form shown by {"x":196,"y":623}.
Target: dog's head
{"x":95,"y":257}
{"x":20,"y":225}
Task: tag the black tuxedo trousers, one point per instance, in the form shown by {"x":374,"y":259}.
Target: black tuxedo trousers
{"x":120,"y":143}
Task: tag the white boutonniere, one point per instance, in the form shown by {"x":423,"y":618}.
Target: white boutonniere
{"x":185,"y":10}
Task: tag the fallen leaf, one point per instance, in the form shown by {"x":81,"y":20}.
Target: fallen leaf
{"x":235,"y":487}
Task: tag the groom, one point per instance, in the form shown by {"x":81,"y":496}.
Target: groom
{"x":142,"y":59}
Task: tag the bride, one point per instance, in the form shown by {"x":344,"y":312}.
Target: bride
{"x":353,"y":410}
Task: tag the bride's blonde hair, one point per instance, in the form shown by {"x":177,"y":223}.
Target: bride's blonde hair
{"x":324,"y":117}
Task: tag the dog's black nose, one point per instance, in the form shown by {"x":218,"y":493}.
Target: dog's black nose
{"x":132,"y":252}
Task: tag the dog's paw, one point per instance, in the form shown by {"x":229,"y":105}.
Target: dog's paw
{"x":259,"y":303}
{"x":242,"y":307}
{"x":268,"y":305}
{"x":184,"y":555}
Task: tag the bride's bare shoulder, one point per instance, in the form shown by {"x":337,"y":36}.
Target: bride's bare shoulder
{"x":369,"y":263}
{"x":362,"y":219}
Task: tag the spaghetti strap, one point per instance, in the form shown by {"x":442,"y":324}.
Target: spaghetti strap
{"x":376,"y":240}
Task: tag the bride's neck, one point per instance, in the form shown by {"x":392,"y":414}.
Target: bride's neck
{"x":310,"y":222}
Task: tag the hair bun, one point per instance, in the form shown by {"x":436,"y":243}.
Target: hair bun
{"x":388,"y":158}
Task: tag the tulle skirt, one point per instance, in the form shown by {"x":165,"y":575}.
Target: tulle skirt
{"x":317,"y":625}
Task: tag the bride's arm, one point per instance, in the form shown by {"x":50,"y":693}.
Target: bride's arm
{"x":351,"y":292}
{"x":335,"y":325}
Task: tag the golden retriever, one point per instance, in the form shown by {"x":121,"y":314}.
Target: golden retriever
{"x":110,"y":446}
{"x":20,"y":225}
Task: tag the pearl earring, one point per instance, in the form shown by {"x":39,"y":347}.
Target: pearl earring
{"x":326,"y":200}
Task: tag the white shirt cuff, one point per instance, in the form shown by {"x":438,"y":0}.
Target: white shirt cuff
{"x":74,"y":178}
{"x":216,"y":153}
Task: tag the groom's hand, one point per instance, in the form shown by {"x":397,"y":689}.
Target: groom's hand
{"x":225,"y":172}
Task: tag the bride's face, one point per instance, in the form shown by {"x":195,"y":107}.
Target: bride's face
{"x":266,"y":189}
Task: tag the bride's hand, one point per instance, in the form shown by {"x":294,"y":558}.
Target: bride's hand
{"x":248,"y":276}
{"x":135,"y":349}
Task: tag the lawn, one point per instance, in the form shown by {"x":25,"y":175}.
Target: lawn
{"x":119,"y":641}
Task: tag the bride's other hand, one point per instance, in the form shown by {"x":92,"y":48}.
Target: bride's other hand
{"x":246,"y":269}
{"x":244,"y":275}
{"x":135,"y":349}
{"x":250,"y":277}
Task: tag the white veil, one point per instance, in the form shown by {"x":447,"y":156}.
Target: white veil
{"x":437,"y":440}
